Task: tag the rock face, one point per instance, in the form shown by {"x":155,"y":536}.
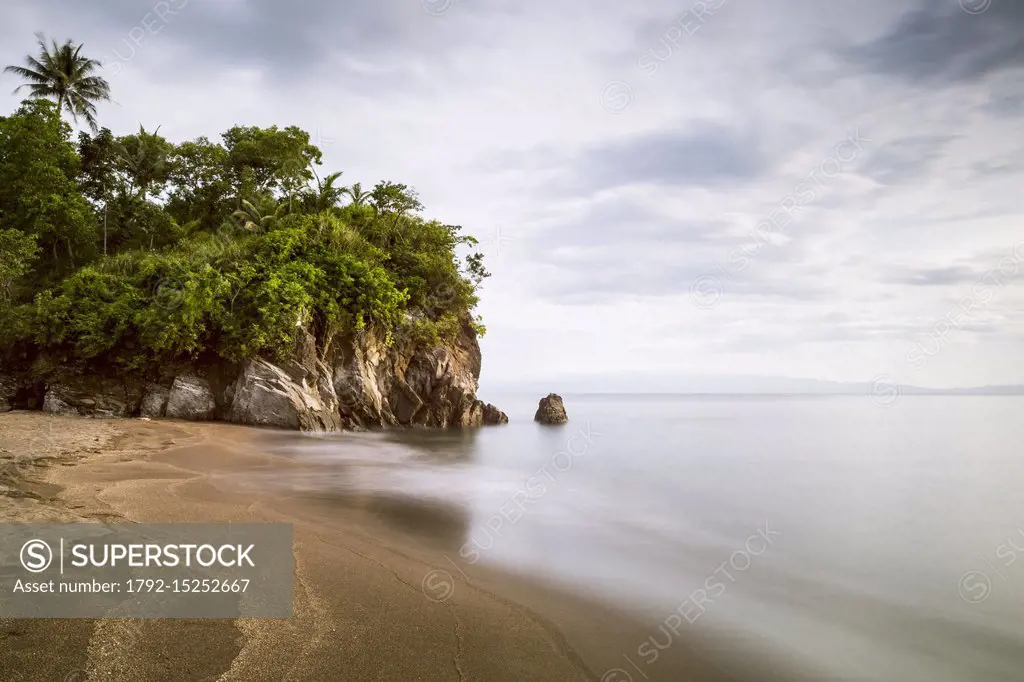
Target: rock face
{"x":266,"y":395}
{"x":551,"y":410}
{"x":89,"y":396}
{"x":191,"y":398}
{"x":356,"y":382}
{"x":8,"y":389}
{"x":410,"y":384}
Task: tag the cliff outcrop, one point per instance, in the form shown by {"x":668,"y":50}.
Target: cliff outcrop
{"x":356,"y":382}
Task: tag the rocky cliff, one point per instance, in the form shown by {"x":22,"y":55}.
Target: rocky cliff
{"x":353,"y":382}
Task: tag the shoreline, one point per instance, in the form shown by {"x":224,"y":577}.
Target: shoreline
{"x":369,"y":602}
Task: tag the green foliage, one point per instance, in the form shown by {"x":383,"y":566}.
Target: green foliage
{"x":389,"y":197}
{"x":134,"y":223}
{"x":269,"y":160}
{"x":200,"y":188}
{"x":17,"y":251}
{"x":141,"y":307}
{"x":141,"y":163}
{"x":260,"y":216}
{"x":98,"y":156}
{"x":131,"y":252}
{"x":356,"y":194}
{"x":39,"y":194}
{"x":325,"y":196}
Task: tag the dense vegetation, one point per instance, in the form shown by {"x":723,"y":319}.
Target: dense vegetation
{"x":125,"y":252}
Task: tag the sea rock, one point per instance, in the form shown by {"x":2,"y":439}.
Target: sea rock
{"x":191,"y":398}
{"x":493,"y":416}
{"x":154,"y":402}
{"x":89,"y":396}
{"x":551,"y":410}
{"x":266,"y":395}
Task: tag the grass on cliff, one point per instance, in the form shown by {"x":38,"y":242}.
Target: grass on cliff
{"x":125,"y":252}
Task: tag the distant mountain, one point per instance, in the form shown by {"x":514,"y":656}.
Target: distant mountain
{"x":646,"y":383}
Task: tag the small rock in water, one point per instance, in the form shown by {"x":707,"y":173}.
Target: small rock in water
{"x":551,"y":410}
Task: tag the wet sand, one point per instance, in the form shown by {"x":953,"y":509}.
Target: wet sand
{"x":370,"y":601}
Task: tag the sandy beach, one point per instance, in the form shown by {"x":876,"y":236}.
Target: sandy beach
{"x":361,"y":611}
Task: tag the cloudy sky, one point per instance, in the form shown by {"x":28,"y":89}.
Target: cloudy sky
{"x":801,"y":188}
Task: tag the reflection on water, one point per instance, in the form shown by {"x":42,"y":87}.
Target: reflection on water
{"x":374,"y":472}
{"x":891,"y":553}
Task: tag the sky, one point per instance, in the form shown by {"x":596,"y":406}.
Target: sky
{"x":682,"y":190}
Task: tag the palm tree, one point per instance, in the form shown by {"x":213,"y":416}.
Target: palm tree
{"x":356,"y":193}
{"x":62,"y":73}
{"x":327,"y":195}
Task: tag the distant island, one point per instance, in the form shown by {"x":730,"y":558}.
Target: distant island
{"x":220,"y":279}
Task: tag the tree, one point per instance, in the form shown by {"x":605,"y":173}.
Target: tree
{"x":390,"y":197}
{"x":397,"y":200}
{"x":99,"y":155}
{"x":120,"y":174}
{"x":200,"y":184}
{"x":269,"y":159}
{"x":142,"y":163}
{"x":61,"y":72}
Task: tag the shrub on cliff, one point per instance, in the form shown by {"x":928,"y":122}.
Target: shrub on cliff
{"x":128,"y":252}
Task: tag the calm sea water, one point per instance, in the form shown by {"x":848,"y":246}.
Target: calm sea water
{"x":837,"y":539}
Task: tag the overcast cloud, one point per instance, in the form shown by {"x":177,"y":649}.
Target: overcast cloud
{"x":797,"y":188}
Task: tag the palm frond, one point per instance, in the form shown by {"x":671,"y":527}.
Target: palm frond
{"x":34,"y":76}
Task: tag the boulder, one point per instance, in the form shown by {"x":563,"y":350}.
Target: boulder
{"x":551,"y":410}
{"x":54,"y":403}
{"x":266,"y":395}
{"x":154,"y":402}
{"x":191,"y":398}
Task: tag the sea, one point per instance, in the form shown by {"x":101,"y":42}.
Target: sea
{"x":830,"y":537}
